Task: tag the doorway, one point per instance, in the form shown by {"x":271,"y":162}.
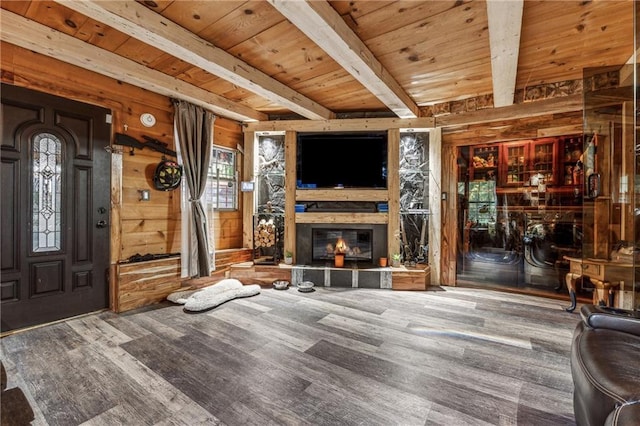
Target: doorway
{"x":55,"y":208}
{"x":520,"y":214}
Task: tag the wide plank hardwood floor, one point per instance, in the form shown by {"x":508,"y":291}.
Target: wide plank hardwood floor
{"x":331,"y":357}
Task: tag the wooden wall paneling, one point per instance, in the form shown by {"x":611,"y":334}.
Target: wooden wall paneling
{"x":227,"y":133}
{"x":146,"y":283}
{"x":228,"y":230}
{"x":115,"y":233}
{"x":248,"y":198}
{"x":450,"y":240}
{"x":290,"y":215}
{"x":437,"y":220}
{"x":393,"y":191}
{"x":153,"y":243}
{"x":227,"y":257}
{"x":156,"y":236}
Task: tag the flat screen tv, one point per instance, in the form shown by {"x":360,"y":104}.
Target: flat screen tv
{"x":342,"y":160}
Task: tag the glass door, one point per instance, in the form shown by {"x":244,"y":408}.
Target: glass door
{"x":516,"y":229}
{"x":611,"y":185}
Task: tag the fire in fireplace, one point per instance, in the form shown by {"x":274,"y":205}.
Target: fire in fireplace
{"x":355,"y":244}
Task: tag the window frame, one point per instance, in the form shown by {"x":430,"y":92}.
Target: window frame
{"x":214,"y":179}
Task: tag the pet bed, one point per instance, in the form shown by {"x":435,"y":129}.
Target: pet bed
{"x":206,"y":298}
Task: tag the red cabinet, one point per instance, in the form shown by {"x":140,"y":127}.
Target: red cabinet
{"x":522,"y":160}
{"x":514,"y":161}
{"x":549,"y":161}
{"x":544,"y":160}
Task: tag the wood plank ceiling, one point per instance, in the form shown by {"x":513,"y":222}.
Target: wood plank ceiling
{"x":255,"y":60}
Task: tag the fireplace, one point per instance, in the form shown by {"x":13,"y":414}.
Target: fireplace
{"x":364,"y":243}
{"x":356,"y":244}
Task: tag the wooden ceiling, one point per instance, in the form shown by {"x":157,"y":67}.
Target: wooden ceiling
{"x":255,"y":60}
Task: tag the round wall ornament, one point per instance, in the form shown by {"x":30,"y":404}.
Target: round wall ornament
{"x":147,"y":119}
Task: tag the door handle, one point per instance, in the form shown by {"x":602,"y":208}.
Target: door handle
{"x":101,"y":224}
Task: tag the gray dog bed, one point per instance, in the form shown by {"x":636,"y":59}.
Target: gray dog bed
{"x":209,"y":297}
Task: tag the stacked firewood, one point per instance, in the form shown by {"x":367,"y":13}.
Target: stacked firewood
{"x":265,"y":233}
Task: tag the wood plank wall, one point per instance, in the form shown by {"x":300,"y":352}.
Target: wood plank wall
{"x":137,"y":227}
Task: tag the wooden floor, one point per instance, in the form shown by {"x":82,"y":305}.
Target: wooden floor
{"x":330,"y":357}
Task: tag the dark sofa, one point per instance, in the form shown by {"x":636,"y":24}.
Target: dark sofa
{"x":605,"y":365}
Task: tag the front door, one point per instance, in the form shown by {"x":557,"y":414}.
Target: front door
{"x":55,"y":208}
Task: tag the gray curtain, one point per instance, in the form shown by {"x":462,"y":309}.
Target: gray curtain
{"x":194,"y":131}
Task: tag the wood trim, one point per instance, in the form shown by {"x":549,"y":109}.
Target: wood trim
{"x":449,"y":231}
{"x":352,"y":124}
{"x":290,"y":150}
{"x":437,"y":220}
{"x":393,"y":188}
{"x":512,"y":112}
{"x":345,"y":194}
{"x":369,"y":218}
{"x":115,"y":223}
{"x":248,"y":198}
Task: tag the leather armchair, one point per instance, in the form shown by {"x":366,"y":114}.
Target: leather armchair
{"x":605,"y":366}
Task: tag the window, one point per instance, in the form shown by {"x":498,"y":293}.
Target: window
{"x":46,"y":183}
{"x":222,"y":185}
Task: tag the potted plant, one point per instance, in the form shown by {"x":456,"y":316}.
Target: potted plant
{"x":396,"y":260}
{"x":288,"y":257}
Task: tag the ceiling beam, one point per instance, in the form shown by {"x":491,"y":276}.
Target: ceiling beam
{"x":326,"y":28}
{"x":627,"y":70}
{"x":559,"y":105}
{"x":136,"y":20}
{"x":31,"y":35}
{"x":505,"y":26}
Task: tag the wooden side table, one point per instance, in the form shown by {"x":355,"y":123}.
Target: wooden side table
{"x":605,"y":275}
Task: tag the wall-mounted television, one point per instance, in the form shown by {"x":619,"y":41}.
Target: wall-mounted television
{"x":341,"y":159}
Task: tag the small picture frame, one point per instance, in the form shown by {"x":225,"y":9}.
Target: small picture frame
{"x":247,"y":186}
